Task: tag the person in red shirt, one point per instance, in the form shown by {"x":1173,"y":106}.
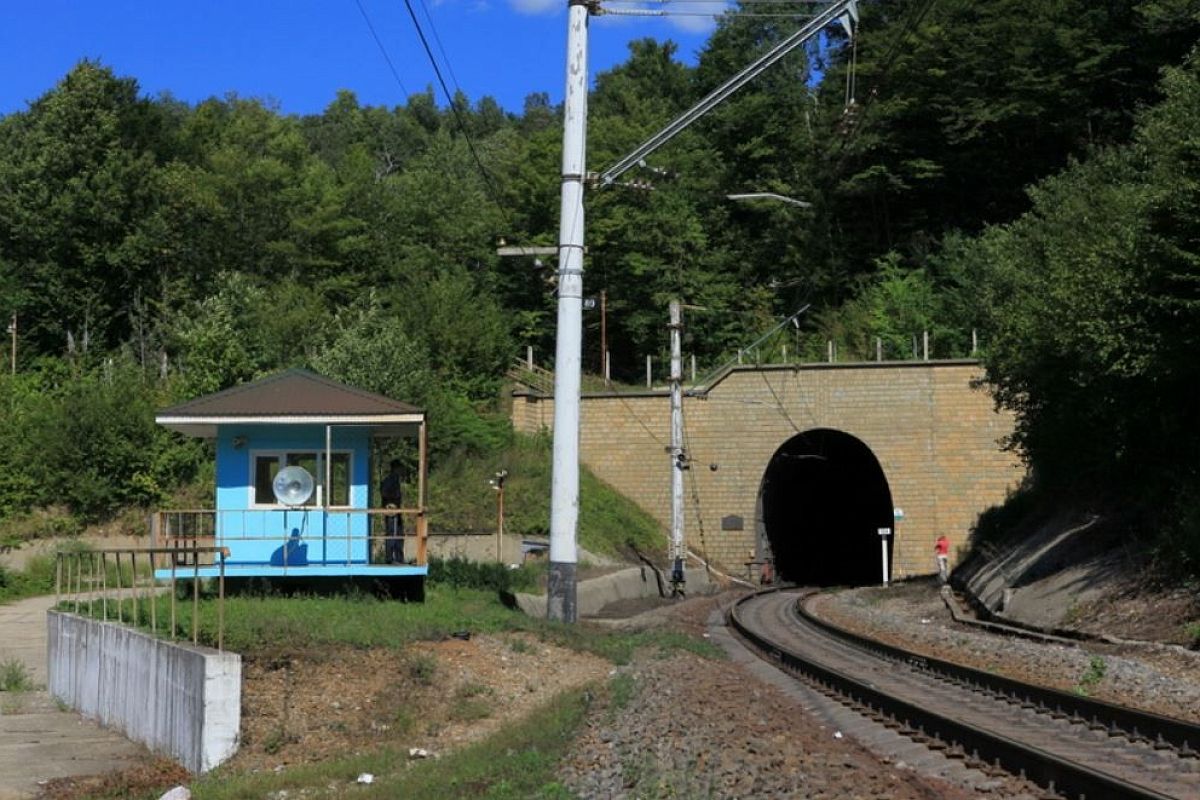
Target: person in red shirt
{"x":941,"y":549}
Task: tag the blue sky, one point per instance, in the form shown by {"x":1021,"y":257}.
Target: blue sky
{"x":300,"y":52}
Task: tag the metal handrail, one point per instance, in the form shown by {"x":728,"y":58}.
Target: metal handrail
{"x":230,"y":525}
{"x":69,"y":576}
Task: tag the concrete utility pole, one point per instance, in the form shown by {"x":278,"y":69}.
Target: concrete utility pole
{"x":679,"y":461}
{"x":564,"y":483}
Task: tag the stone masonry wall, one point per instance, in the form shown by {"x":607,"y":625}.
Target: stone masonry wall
{"x":936,"y":437}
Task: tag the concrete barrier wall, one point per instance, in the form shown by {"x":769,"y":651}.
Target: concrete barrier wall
{"x":593,"y":594}
{"x":177,"y":699}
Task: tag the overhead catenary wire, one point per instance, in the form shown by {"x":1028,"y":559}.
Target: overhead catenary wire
{"x":912,"y":23}
{"x":650,"y":12}
{"x":382,"y":50}
{"x":438,"y":40}
{"x":489,"y":184}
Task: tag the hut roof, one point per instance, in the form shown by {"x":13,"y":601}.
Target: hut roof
{"x":293,"y":397}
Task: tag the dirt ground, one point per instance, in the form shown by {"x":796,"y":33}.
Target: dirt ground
{"x":437,"y":696}
{"x":691,"y":726}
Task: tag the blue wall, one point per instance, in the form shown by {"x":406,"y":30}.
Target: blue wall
{"x":258,"y":535}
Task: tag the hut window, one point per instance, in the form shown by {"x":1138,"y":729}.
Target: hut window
{"x":267,"y":466}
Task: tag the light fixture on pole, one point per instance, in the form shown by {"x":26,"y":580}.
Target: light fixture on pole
{"x":497,"y":483}
{"x":769,"y":196}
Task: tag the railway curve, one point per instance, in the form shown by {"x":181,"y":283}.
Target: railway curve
{"x":1072,"y":746}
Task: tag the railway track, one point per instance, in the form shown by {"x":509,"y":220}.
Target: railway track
{"x":1072,"y":746}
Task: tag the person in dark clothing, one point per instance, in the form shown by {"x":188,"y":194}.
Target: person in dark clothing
{"x":391,"y":493}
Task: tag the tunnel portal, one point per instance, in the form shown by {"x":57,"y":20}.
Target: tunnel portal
{"x":823,"y":499}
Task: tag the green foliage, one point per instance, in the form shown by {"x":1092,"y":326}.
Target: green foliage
{"x":422,"y":668}
{"x":471,"y":703}
{"x":14,"y":676}
{"x":87,"y":441}
{"x":1092,"y":676}
{"x":37,"y":578}
{"x":196,"y":247}
{"x":463,"y":500}
{"x":459,"y":573}
{"x":517,"y":763}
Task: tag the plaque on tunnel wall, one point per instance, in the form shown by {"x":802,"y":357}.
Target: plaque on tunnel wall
{"x":731,"y":523}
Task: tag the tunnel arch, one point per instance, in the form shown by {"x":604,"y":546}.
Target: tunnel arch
{"x":821,"y":503}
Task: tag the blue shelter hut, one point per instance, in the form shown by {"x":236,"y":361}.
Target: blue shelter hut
{"x":297,"y":483}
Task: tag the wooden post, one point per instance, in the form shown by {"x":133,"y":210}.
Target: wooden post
{"x":878,"y":349}
{"x":649,"y":373}
{"x":604,"y":333}
{"x":925,"y":338}
{"x":422,"y":529}
{"x":500,"y":523}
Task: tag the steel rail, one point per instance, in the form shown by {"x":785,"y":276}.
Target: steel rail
{"x":1136,"y":723}
{"x":1056,"y":774}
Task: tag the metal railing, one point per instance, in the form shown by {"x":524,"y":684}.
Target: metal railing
{"x":87,"y":580}
{"x":182,"y":532}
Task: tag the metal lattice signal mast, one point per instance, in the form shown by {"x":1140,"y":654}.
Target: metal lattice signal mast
{"x":843,"y":10}
{"x":679,"y":459}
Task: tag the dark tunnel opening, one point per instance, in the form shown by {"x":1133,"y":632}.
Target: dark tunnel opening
{"x":823,"y":499}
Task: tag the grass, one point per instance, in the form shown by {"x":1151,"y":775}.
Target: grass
{"x":15,"y":677}
{"x":273,"y":626}
{"x":1191,"y":632}
{"x":461,"y":500}
{"x":471,"y":703}
{"x":518,"y":762}
{"x":1091,"y":677}
{"x":36,"y":579}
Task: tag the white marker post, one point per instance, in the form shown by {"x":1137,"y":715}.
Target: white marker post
{"x":884,"y":533}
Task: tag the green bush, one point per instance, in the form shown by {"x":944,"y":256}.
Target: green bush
{"x":460,"y":573}
{"x":36,"y":579}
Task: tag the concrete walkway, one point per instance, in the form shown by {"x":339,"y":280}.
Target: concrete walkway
{"x":37,"y":740}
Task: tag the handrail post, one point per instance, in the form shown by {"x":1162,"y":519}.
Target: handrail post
{"x":58,"y":570}
{"x":153,"y":596}
{"x":173,"y":590}
{"x":221,"y":603}
{"x":133,"y":585}
{"x":120,"y":588}
{"x":78,"y":581}
{"x":195,"y":596}
{"x":104,"y":585}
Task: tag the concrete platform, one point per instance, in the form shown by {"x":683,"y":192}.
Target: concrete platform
{"x":37,"y":740}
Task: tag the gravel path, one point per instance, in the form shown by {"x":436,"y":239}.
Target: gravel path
{"x":685,"y":726}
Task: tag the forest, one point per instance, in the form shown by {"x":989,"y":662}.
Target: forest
{"x":1024,"y":173}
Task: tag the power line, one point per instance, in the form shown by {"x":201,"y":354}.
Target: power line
{"x":383,"y":51}
{"x":489,"y":184}
{"x":441,"y":49}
